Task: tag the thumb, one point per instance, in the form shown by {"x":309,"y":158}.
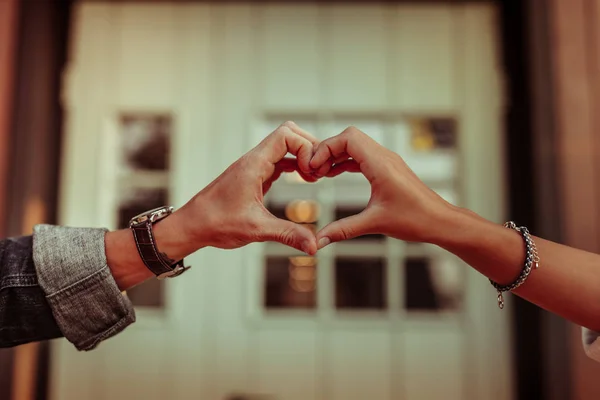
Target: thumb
{"x":289,"y":233}
{"x":346,"y":228}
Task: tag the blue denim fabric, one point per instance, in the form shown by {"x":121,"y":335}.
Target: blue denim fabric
{"x":25,"y":315}
{"x":57,"y":283}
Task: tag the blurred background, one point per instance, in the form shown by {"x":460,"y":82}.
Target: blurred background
{"x":110,"y":108}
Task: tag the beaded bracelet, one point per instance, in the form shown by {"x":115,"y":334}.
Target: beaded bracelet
{"x":531,"y":259}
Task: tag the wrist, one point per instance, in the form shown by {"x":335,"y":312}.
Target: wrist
{"x":173,"y":237}
{"x":123,"y":259}
{"x":458,"y":227}
{"x":174,"y":240}
{"x":490,"y":248}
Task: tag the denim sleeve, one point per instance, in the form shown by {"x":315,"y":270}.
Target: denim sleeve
{"x":79,"y":287}
{"x":591,"y":344}
{"x":25,"y":315}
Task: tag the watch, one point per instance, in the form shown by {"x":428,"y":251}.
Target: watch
{"x":157,"y":262}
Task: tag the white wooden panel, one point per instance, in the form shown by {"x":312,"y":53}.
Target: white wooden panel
{"x":232,"y":102}
{"x":359,"y":365}
{"x":484,"y":192}
{"x":70,"y":373}
{"x":134,"y":366}
{"x":163,"y":56}
{"x":189,"y":299}
{"x":424,"y":58}
{"x":149,"y":57}
{"x":290,"y":57}
{"x":287,"y":364}
{"x":356,"y":57}
{"x":433,"y":364}
{"x":263,"y":128}
{"x":374,"y":128}
{"x":91,"y":48}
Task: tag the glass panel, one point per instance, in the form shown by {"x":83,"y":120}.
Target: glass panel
{"x":360,"y":283}
{"x":137,"y":201}
{"x":346,"y":211}
{"x":151,"y":292}
{"x":290,"y":282}
{"x":431,"y":289}
{"x":304,"y":212}
{"x":433,"y":133}
{"x":148,"y":294}
{"x":145,"y":141}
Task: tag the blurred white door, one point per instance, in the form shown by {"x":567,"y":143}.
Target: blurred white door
{"x":196,"y":86}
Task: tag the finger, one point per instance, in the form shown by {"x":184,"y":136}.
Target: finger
{"x":288,"y":233}
{"x":324,"y":169}
{"x":286,"y":165}
{"x":282,"y":141}
{"x":351,"y":142}
{"x":347,"y":228}
{"x":341,"y":158}
{"x":346,"y":166}
{"x":304,"y":133}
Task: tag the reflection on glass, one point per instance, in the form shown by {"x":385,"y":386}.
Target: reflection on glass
{"x":347,"y":211}
{"x":305,"y":212}
{"x":145,"y":141}
{"x":148,"y":294}
{"x":433,"y":133}
{"x":360,"y":283}
{"x":302,"y":211}
{"x":134,"y":202}
{"x":290,"y":282}
{"x":138,"y":201}
{"x":428,"y":288}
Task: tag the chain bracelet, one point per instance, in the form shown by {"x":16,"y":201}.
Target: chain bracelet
{"x":532,"y":260}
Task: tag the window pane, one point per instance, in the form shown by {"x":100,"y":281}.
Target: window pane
{"x":433,"y":133}
{"x":145,"y":140}
{"x":430,"y":289}
{"x":360,"y":283}
{"x":148,"y":294}
{"x":137,"y":201}
{"x":347,"y":211}
{"x":304,"y":212}
{"x":290,"y":282}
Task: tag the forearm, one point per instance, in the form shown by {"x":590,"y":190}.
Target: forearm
{"x":566,"y":283}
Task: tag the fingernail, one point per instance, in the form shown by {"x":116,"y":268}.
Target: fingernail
{"x":306,"y":247}
{"x":323,"y":242}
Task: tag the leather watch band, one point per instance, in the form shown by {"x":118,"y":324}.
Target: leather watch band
{"x":148,"y":252}
{"x":159,"y":264}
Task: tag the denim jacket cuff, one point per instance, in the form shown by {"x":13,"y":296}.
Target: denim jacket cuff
{"x":83,"y":295}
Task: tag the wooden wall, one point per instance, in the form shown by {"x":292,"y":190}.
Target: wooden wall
{"x":8,"y":35}
{"x":9,"y":21}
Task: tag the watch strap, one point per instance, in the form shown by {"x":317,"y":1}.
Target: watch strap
{"x":144,"y":240}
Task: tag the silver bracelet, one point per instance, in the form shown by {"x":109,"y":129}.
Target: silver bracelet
{"x":531,"y":259}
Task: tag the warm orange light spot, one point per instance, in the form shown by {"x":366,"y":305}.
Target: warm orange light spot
{"x":302,"y":211}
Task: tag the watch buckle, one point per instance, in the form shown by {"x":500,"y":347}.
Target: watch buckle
{"x":178,"y":270}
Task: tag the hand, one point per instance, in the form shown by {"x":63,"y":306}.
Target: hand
{"x":401,"y":205}
{"x":229,"y":213}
